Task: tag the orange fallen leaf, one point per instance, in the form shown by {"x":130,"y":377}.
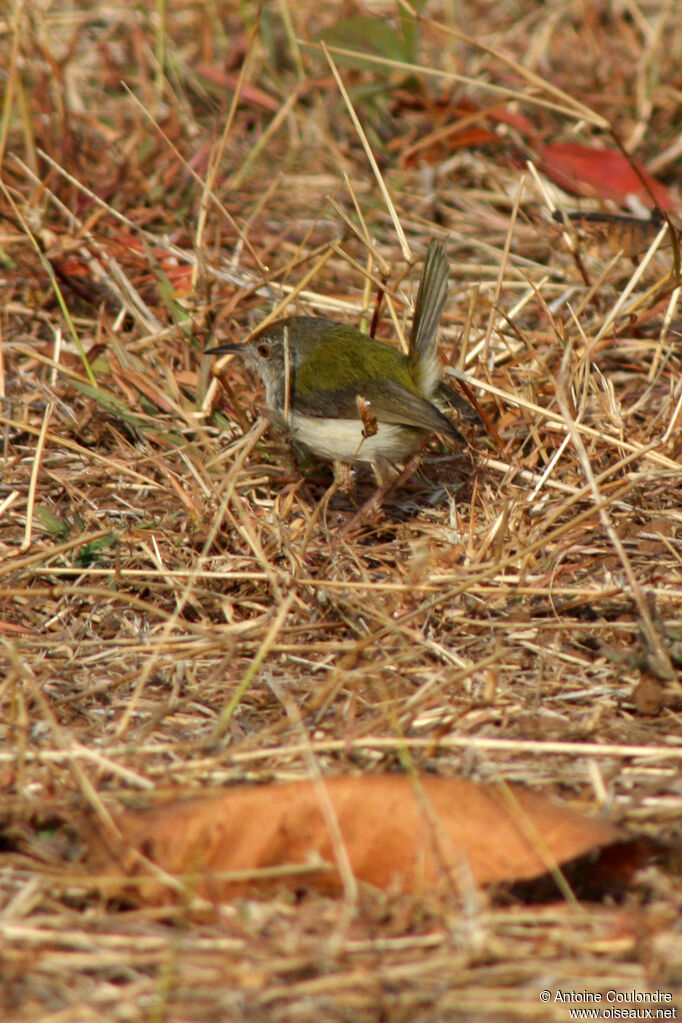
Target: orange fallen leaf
{"x":455,"y":125}
{"x":400,"y":834}
{"x":13,"y":628}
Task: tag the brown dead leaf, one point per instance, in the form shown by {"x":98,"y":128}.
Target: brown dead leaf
{"x":649,"y":697}
{"x":631,"y":235}
{"x":423,"y":835}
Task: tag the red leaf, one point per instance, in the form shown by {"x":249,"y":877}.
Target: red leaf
{"x":599,"y":173}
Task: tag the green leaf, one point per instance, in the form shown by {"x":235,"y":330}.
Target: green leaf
{"x":89,"y":552}
{"x":373,"y":36}
{"x":112,"y":404}
{"x":57,"y":528}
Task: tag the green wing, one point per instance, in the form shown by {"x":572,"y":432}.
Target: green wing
{"x":390,"y":403}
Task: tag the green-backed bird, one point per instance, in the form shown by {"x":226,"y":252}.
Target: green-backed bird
{"x":350,"y":398}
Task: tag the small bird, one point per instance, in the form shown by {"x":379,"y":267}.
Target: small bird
{"x":349,"y":398}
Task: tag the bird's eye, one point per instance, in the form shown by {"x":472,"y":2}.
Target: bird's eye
{"x":263,"y":350}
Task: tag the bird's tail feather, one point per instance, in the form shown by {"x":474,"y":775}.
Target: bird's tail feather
{"x":433,"y":290}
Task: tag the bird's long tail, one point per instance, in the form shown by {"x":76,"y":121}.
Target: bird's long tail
{"x":433,"y":289}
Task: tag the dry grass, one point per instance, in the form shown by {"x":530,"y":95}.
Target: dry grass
{"x":174,"y":617}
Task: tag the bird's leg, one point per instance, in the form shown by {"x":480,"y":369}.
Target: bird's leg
{"x":344,"y":476}
{"x":385,"y":473}
{"x":388,"y":479}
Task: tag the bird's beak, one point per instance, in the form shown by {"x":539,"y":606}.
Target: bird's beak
{"x":223,"y":349}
